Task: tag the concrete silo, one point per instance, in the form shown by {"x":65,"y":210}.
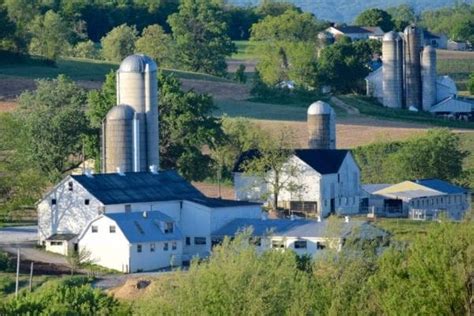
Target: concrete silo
{"x":117,"y":139}
{"x":137,"y":87}
{"x":429,"y":76}
{"x":321,"y":126}
{"x":412,"y":66}
{"x":392,"y":54}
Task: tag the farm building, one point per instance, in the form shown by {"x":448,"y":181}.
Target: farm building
{"x":356,"y":32}
{"x":304,"y":237}
{"x":329,"y":182}
{"x":140,"y":241}
{"x":439,"y":41}
{"x":419,"y":199}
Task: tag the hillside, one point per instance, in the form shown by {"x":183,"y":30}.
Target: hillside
{"x":347,"y":10}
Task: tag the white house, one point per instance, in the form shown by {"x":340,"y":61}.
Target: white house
{"x":304,"y":237}
{"x":327,"y":181}
{"x":133,"y":242}
{"x":419,"y":199}
{"x":356,"y":32}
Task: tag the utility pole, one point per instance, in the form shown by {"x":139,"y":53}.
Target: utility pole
{"x":31,"y":274}
{"x":17,"y":271}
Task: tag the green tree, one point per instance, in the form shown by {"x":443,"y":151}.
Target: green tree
{"x":200,"y":32}
{"x":7,"y":31}
{"x":86,"y":49}
{"x":49,"y":35}
{"x":119,"y":42}
{"x":155,"y":43}
{"x":186,"y":126}
{"x":240,"y":74}
{"x":54,"y":124}
{"x":237,"y":280}
{"x":275,"y":8}
{"x":402,"y":16}
{"x":375,"y":17}
{"x":470,"y":84}
{"x":437,"y":155}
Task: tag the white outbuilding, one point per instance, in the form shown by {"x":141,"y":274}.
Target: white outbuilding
{"x":132,"y":242}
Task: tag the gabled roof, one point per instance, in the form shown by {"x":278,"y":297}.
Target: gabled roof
{"x":324,"y":161}
{"x":64,"y":237}
{"x":351,"y":29}
{"x":441,"y":186}
{"x":288,"y":228}
{"x":135,"y":187}
{"x":138,"y":228}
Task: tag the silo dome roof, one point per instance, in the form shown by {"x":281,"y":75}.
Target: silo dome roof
{"x":121,"y":112}
{"x":428,"y":49}
{"x":391,"y":36}
{"x":320,"y":107}
{"x":410,"y":29}
{"x":138,"y":63}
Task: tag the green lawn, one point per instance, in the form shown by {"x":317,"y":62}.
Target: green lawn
{"x":458,"y":69}
{"x":83,"y":69}
{"x":467,"y":140}
{"x":245,"y":50}
{"x":369,"y":107}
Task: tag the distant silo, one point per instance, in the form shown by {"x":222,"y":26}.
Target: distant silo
{"x":137,"y":87}
{"x":428,"y":66}
{"x":321,"y":126}
{"x":117,"y":133}
{"x":412,"y":66}
{"x":392,"y":54}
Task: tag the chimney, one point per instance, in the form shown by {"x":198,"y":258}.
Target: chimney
{"x":154,"y":169}
{"x":89,"y":173}
{"x":145,"y":214}
{"x":346,"y":219}
{"x":120,"y":172}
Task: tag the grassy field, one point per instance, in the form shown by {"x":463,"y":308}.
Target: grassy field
{"x":83,"y":69}
{"x":404,"y":229}
{"x":368,"y":107}
{"x":458,"y":65}
{"x":467,"y":140}
{"x":245,"y":50}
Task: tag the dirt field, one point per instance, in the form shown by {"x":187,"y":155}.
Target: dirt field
{"x":452,"y":54}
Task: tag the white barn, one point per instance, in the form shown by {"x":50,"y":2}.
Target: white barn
{"x":79,"y":200}
{"x":329,"y":180}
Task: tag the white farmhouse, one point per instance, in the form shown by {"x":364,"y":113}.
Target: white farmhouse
{"x":133,"y":242}
{"x":328,"y":181}
{"x":304,"y":237}
{"x":80,"y":199}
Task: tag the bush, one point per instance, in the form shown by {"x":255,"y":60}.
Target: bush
{"x":240,"y":74}
{"x":86,"y":49}
{"x":6,"y":265}
{"x":119,"y":43}
{"x":471,"y":84}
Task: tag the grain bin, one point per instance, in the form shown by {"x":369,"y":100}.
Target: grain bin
{"x":321,"y":126}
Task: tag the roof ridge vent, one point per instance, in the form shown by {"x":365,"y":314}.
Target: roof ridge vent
{"x":89,"y":173}
{"x":154,"y":169}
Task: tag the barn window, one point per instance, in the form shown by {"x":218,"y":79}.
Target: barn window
{"x":152,"y":247}
{"x":95,"y":229}
{"x":87,"y":201}
{"x":112,"y":229}
{"x":320,"y":245}
{"x":53,"y":201}
{"x":139,"y":248}
{"x":56,"y":243}
{"x":300,"y":244}
{"x":188,"y":241}
{"x":70,"y":185}
{"x":278,"y":244}
{"x":165,"y":246}
{"x":174,"y":245}
{"x":199,"y":240}
{"x":168,"y":227}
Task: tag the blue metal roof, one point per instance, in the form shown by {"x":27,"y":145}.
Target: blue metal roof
{"x":216,"y":203}
{"x":441,"y":186}
{"x":137,"y":228}
{"x":136,"y":187}
{"x":293,"y":228}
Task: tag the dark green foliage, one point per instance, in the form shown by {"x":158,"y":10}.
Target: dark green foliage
{"x":119,"y":42}
{"x":54,"y":123}
{"x":239,"y":21}
{"x":375,"y":17}
{"x":437,"y":154}
{"x":65,"y":297}
{"x":186,"y":125}
{"x":6,"y":265}
{"x":471,"y":84}
{"x":402,"y":16}
{"x":343,"y":65}
{"x":200,"y":32}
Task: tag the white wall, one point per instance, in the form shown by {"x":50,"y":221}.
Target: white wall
{"x":311,"y":244}
{"x":110,"y":250}
{"x":62,"y":249}
{"x":160,"y":258}
{"x":195,"y":222}
{"x":224,"y":215}
{"x":248,"y":188}
{"x":70,"y":214}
